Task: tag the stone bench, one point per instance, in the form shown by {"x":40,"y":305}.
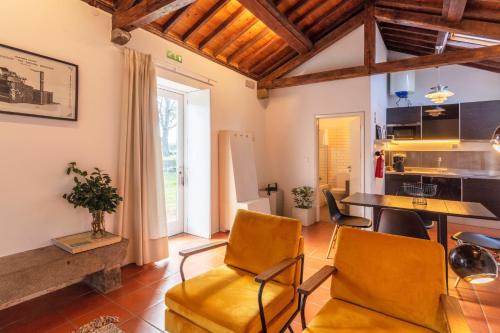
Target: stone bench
{"x":36,"y":272}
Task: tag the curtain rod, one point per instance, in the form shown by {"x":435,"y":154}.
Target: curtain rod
{"x":171,"y":68}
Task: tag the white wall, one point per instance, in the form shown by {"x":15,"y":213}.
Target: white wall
{"x":291,"y":115}
{"x":378,"y":103}
{"x":468,"y":84}
{"x":35,"y":151}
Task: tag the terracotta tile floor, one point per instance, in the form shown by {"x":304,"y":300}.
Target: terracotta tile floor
{"x":139,"y":303}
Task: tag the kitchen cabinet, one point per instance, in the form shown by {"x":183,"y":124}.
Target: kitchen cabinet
{"x":393,"y":183}
{"x":404,"y":115}
{"x":478,"y":120}
{"x":447,"y":188}
{"x":485,"y":191}
{"x":441,"y":122}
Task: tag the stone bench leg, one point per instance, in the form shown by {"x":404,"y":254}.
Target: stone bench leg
{"x":106,"y":280}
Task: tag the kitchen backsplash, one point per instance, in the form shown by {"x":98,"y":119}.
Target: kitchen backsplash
{"x":467,"y":160}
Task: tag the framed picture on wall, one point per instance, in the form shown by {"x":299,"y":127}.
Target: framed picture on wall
{"x":38,"y":86}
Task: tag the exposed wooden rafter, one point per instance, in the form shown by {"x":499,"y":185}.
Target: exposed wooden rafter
{"x":247,"y":45}
{"x":421,"y":62}
{"x":453,"y":11}
{"x":145,"y":12}
{"x":335,"y":35}
{"x":204,"y":19}
{"x":370,"y":34}
{"x":279,"y":23}
{"x":178,"y":15}
{"x":223,"y":26}
{"x":235,"y":36}
{"x":433,"y":22}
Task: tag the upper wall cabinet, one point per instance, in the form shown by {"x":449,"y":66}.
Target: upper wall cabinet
{"x":403,"y":115}
{"x":478,"y":120}
{"x":441,"y":122}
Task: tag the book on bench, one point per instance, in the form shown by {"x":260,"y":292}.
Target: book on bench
{"x":84,"y":241}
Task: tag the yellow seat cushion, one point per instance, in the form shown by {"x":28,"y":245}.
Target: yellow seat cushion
{"x":401,"y":277}
{"x":339,"y":316}
{"x":225,"y":300}
{"x":258,"y":242}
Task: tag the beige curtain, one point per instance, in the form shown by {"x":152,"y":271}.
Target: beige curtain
{"x":142,"y":215}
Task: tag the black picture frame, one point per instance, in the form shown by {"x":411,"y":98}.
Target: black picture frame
{"x":14,"y":91}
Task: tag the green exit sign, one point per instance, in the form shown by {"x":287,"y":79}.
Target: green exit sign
{"x":174,"y":56}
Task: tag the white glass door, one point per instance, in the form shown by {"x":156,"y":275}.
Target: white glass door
{"x":171,"y":114}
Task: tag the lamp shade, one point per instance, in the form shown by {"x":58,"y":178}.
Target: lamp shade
{"x":402,"y":83}
{"x":473,"y":264}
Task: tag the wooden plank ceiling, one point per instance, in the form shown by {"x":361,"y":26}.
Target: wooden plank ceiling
{"x":266,"y":39}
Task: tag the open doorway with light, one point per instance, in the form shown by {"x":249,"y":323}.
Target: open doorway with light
{"x":185,"y":131}
{"x":339,"y":161}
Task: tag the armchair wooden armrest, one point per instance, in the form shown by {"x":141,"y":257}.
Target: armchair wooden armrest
{"x":316,"y":280}
{"x":311,"y":285}
{"x":271,"y":273}
{"x":195,"y":250}
{"x":454,"y":315}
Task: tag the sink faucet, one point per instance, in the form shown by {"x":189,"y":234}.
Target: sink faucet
{"x":439,"y":160}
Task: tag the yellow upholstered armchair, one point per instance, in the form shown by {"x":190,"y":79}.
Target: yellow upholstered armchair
{"x":384,"y":283}
{"x":256,"y":288}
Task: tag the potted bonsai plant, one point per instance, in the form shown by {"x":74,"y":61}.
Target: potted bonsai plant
{"x":94,"y":192}
{"x":303,"y":211}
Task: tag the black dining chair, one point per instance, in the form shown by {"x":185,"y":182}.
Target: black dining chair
{"x":402,"y":222}
{"x":341,"y":220}
{"x":427,"y":218}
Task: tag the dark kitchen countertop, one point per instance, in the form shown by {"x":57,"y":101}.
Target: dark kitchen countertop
{"x":447,"y":173}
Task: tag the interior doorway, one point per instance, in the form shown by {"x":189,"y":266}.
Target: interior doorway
{"x":339,"y":161}
{"x":185,"y":131}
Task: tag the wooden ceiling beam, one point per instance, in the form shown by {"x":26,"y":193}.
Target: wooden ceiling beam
{"x":279,"y":23}
{"x":249,"y":61}
{"x":299,"y":18}
{"x":436,"y":60}
{"x":155,"y":29}
{"x":223,"y":26}
{"x":297,"y":6}
{"x":410,"y":44}
{"x":332,"y":75}
{"x":332,"y":37}
{"x":428,"y":49}
{"x":410,"y":37}
{"x":342,"y":7}
{"x":204,"y":19}
{"x":278,"y":63}
{"x":370,"y":34}
{"x":453,"y":11}
{"x":235,"y":36}
{"x":145,"y":12}
{"x":405,"y":29}
{"x":434,"y":22}
{"x":123,"y":4}
{"x":247,"y":45}
{"x":421,"y":62}
{"x":175,"y":18}
{"x":266,"y":62}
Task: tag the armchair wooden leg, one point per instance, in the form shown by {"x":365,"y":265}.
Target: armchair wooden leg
{"x":457,"y":281}
{"x":332,"y":241}
{"x":290,"y":329}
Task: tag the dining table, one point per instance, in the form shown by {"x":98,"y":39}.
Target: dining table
{"x":443,"y":208}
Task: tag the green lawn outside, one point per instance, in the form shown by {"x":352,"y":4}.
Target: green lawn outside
{"x":170,"y":182}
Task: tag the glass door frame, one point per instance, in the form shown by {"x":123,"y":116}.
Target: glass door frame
{"x":177,"y":227}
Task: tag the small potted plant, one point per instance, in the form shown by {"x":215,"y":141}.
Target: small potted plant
{"x":303,"y":211}
{"x":94,"y":192}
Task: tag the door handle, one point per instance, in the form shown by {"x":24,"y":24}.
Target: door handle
{"x":181,"y":177}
